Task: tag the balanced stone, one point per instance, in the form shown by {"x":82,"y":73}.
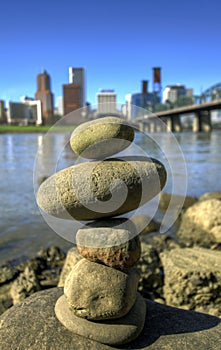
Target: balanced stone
{"x":114,"y":332}
{"x":98,"y":292}
{"x":101,"y":137}
{"x":116,"y":248}
{"x":93,"y":190}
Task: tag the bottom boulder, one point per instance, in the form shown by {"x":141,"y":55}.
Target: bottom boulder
{"x":33,"y":325}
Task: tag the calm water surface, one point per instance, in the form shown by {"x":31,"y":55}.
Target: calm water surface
{"x":22,"y":229}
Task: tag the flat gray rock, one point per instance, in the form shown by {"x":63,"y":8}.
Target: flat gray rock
{"x":33,"y":325}
{"x":111,"y":332}
{"x":112,"y":247}
{"x":101,"y":138}
{"x":99,"y":292}
{"x":93,"y":190}
{"x":192,"y":278}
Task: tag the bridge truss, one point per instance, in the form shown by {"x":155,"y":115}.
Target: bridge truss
{"x":210,"y":94}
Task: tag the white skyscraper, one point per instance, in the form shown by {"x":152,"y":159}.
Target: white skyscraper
{"x":173,"y":92}
{"x":106,"y":102}
{"x":77,"y":76}
{"x":60,"y":105}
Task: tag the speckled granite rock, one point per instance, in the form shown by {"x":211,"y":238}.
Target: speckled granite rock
{"x":101,"y":137}
{"x":115,"y":248}
{"x":98,"y":292}
{"x":93,"y":190}
{"x":33,"y":325}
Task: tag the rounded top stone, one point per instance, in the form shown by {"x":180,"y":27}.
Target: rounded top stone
{"x":101,"y":137}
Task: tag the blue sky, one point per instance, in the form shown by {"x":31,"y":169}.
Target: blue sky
{"x":118,"y":42}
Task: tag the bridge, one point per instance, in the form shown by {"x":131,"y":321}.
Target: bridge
{"x":212,"y":93}
{"x":171,"y":117}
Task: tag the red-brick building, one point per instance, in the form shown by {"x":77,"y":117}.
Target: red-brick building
{"x":71,"y":97}
{"x":45,"y":95}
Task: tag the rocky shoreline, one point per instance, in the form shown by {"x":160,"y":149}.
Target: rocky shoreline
{"x":183,"y":271}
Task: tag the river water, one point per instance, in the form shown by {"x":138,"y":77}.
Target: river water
{"x":194,"y":160}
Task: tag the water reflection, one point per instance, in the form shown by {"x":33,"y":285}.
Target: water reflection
{"x":22,"y":229}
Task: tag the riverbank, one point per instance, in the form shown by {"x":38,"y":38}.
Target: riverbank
{"x":181,"y":271}
{"x":7,"y":129}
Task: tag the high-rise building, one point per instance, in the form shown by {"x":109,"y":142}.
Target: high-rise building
{"x":74,"y":92}
{"x":45,"y":95}
{"x":143,"y":99}
{"x":28,"y":111}
{"x":71,"y":98}
{"x":2,"y":111}
{"x":172,"y":92}
{"x":77,"y":76}
{"x":60,"y":106}
{"x":106,"y":102}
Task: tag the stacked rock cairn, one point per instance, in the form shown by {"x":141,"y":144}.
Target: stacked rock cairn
{"x":100,"y":299}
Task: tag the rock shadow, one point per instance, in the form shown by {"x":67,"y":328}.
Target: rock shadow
{"x":162,"y":320}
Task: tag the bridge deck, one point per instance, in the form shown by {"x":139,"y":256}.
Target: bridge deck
{"x":206,"y":106}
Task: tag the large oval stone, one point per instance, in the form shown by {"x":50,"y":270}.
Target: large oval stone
{"x":117,"y":248}
{"x":94,"y":190}
{"x":98,"y":292}
{"x":101,"y":137}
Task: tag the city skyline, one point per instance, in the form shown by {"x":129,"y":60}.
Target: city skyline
{"x":117,"y":45}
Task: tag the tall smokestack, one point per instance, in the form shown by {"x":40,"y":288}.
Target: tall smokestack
{"x":144,"y":86}
{"x":157,"y":75}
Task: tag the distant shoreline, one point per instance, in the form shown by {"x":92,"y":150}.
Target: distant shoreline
{"x":7,"y":129}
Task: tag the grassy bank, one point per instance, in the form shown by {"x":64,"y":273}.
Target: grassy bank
{"x":33,"y":129}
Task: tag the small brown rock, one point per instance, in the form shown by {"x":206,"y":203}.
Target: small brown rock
{"x":112,"y":247}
